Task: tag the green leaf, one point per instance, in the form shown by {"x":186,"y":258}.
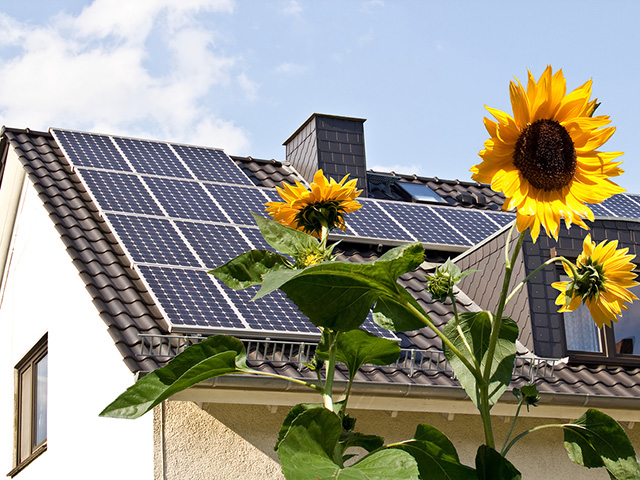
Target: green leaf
{"x":436,"y":456}
{"x":355,"y":439}
{"x":284,"y":239}
{"x":307,"y":451}
{"x":248,"y":269}
{"x":597,"y":440}
{"x":389,"y":313}
{"x":490,"y":465}
{"x":215,"y":356}
{"x":339,"y":295}
{"x":357,"y":347}
{"x":476,"y":330}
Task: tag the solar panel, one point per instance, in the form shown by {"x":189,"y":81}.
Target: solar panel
{"x":190,"y":298}
{"x":119,"y":192}
{"x":425,"y":224}
{"x":239,"y":202}
{"x":211,"y":164}
{"x":371,"y":221}
{"x":152,"y":158}
{"x":151,"y":240}
{"x":184,"y":199}
{"x":214,"y":244}
{"x":472,"y":223}
{"x":623,"y":206}
{"x":600,"y":210}
{"x":90,"y":150}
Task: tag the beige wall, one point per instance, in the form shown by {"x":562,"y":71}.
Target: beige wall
{"x":222,"y":441}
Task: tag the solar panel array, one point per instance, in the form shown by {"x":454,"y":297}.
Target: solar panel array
{"x":179,"y":211}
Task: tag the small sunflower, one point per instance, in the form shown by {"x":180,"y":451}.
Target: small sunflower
{"x":601,"y":280}
{"x":545,"y":158}
{"x":324,"y":205}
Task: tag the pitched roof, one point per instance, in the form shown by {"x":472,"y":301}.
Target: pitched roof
{"x":129,"y":310}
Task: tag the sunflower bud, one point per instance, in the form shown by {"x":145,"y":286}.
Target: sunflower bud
{"x":440,"y":284}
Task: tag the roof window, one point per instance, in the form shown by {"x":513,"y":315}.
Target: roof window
{"x":419,"y":192}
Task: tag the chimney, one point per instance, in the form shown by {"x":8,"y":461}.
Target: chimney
{"x":331,"y":143}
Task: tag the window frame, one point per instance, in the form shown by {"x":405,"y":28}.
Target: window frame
{"x":608,"y":355}
{"x":28,"y":362}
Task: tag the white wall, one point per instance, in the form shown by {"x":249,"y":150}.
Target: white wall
{"x":44,"y":293}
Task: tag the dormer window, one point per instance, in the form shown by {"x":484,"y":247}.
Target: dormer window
{"x":419,"y":192}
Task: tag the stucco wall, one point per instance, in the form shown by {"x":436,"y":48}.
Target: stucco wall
{"x":222,"y":441}
{"x":44,"y":293}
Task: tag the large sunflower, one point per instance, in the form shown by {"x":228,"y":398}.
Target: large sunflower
{"x":325,"y":204}
{"x":601,"y":280}
{"x":545,"y":158}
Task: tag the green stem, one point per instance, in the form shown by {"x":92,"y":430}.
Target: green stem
{"x":523,"y":282}
{"x":346,"y":399}
{"x":327,"y":395}
{"x":485,"y":414}
{"x":284,"y":377}
{"x":497,"y":321}
{"x":513,"y":425}
{"x":531,"y":430}
{"x":474,"y":369}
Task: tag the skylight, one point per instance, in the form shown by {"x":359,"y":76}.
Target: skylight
{"x":419,"y":192}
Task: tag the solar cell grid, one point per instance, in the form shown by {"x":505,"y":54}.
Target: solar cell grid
{"x":500,"y":218}
{"x":190,"y":298}
{"x":119,"y":192}
{"x":151,"y":240}
{"x":90,"y":150}
{"x":273,"y":313}
{"x":239,"y":202}
{"x":214,"y":244}
{"x":424,"y":224}
{"x":371,"y":221}
{"x":623,"y":206}
{"x":211,"y":165}
{"x":152,"y":158}
{"x":473,"y":223}
{"x":184,"y":199}
{"x":600,"y":210}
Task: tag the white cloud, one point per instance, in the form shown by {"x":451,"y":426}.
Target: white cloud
{"x":289,"y":68}
{"x":292,"y":8}
{"x":249,"y":87}
{"x":94,"y":71}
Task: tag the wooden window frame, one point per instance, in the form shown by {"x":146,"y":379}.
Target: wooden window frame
{"x":24,"y":432}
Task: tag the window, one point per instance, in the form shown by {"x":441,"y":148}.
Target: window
{"x":419,"y":192}
{"x":31,"y":406}
{"x":618,"y":344}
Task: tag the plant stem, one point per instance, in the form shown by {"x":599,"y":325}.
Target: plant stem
{"x":485,"y":414}
{"x":327,"y":395}
{"x":523,"y":282}
{"x":533,"y":429}
{"x":290,"y":379}
{"x":497,"y":321}
{"x":474,"y":369}
{"x":513,"y":425}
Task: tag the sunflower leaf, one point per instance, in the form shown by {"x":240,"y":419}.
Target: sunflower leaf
{"x":471,"y":331}
{"x":357,"y":347}
{"x":491,"y":465}
{"x":435,"y":455}
{"x":249,"y":268}
{"x":597,"y":440}
{"x":215,"y":356}
{"x":310,"y":444}
{"x":284,"y":239}
{"x":339,"y":295}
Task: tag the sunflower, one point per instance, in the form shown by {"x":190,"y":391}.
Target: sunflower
{"x":545,"y":158}
{"x":601,"y":280}
{"x":325,"y":204}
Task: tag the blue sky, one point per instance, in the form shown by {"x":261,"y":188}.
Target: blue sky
{"x":244,"y":74}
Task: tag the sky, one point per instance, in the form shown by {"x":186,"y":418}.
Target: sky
{"x":245,"y":74}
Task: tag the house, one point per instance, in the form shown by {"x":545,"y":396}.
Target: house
{"x":113,"y":284}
